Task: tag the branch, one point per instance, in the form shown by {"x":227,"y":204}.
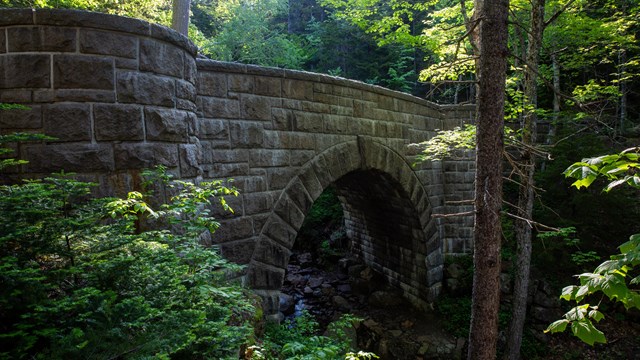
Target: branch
{"x":466,"y":213}
{"x":530,"y":222}
{"x":558,"y":13}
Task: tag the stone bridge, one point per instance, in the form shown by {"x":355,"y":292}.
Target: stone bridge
{"x":121,"y":94}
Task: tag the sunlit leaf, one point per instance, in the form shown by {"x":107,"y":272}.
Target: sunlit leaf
{"x":586,"y":332}
{"x":557,"y":326}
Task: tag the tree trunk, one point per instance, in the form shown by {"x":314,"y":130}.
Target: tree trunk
{"x":523,"y":228}
{"x":622,"y":114}
{"x":180,"y":16}
{"x":492,"y":36}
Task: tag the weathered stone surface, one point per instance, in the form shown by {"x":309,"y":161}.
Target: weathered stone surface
{"x":118,"y":122}
{"x":213,"y":129}
{"x":220,"y":108}
{"x":240,"y":83}
{"x":108,"y":43}
{"x":234,"y":229}
{"x":257,"y":203}
{"x":69,"y":157}
{"x":15,"y":96}
{"x":268,"y":86}
{"x":212,"y":84}
{"x":246,"y":134}
{"x":145,"y":89}
{"x":145,"y":155}
{"x":161,"y":58}
{"x":166,"y":124}
{"x":16,"y":17}
{"x":239,"y":251}
{"x":65,"y":17}
{"x":185,"y":90}
{"x":25,"y":71}
{"x":189,"y":160}
{"x":265,"y":277}
{"x":271,"y":253}
{"x":41,"y":38}
{"x":297,"y":89}
{"x":79,"y":95}
{"x":82,"y":72}
{"x":67,"y":122}
{"x":21,"y":119}
{"x":190,"y":69}
{"x":256,"y":107}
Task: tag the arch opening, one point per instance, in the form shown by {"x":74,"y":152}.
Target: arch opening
{"x":387,"y":219}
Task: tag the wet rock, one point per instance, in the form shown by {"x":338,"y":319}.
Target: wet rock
{"x":341,"y":303}
{"x":296,"y":280}
{"x":315,"y":282}
{"x":305,"y":259}
{"x":287,"y":304}
{"x":355,"y":270}
{"x":344,"y":288}
{"x":373,"y":326}
{"x":308,"y":290}
{"x":384,"y":299}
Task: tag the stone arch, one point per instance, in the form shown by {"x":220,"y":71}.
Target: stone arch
{"x":417,"y":270}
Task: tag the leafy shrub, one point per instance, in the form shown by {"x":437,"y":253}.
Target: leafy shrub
{"x":298,"y":339}
{"x":79,"y":278}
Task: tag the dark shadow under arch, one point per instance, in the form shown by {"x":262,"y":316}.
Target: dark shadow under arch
{"x":388,"y":217}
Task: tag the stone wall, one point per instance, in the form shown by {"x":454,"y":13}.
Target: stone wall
{"x":121,"y":95}
{"x":117,"y":93}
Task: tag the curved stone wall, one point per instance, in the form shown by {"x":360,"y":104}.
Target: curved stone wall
{"x":121,"y":95}
{"x":117,"y":93}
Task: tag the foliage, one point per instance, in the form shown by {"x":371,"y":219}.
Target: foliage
{"x":298,"y":339}
{"x":80,"y":278}
{"x":158,"y":11}
{"x":566,"y":238}
{"x":249,"y":31}
{"x":615,"y":278}
{"x":619,"y":168}
{"x":15,"y":138}
{"x":445,"y":142}
{"x":457,"y":311}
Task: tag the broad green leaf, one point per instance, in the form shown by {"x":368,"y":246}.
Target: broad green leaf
{"x":596,"y":315}
{"x":586,"y":332}
{"x":568,"y":292}
{"x":557,"y":326}
{"x":584,"y":182}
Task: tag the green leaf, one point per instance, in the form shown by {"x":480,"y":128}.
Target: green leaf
{"x":585,"y":331}
{"x":557,"y":326}
{"x":596,"y":315}
{"x":568,"y":292}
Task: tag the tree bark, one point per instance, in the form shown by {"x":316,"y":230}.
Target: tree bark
{"x":492,"y":36}
{"x":180,"y":16}
{"x":526,"y":194}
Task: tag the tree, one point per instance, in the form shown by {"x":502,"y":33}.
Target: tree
{"x":490,"y":18}
{"x":180,"y":16}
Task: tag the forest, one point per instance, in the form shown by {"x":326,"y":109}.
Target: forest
{"x":86,"y":278}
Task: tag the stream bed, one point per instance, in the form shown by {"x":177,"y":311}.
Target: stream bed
{"x":390,"y":326}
